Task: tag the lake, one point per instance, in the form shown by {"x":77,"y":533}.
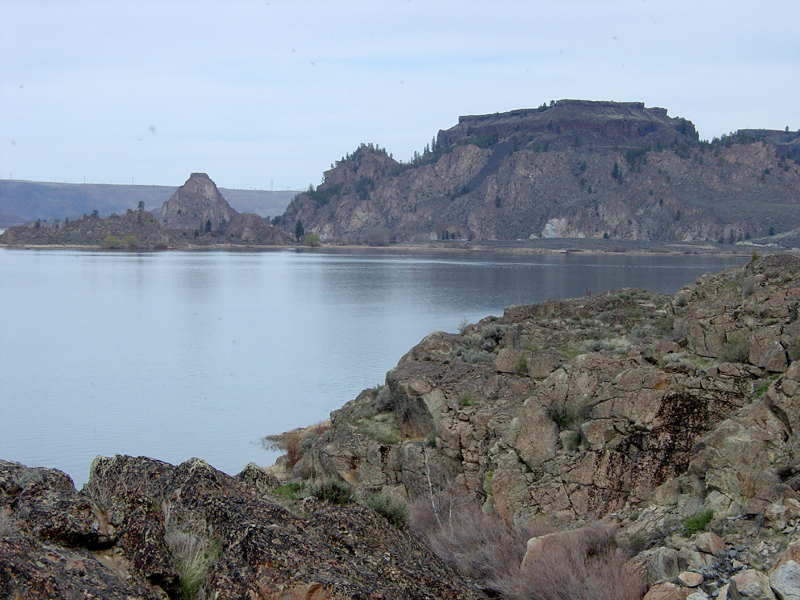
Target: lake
{"x":181,"y":354}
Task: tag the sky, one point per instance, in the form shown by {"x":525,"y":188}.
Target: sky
{"x":267,"y":95}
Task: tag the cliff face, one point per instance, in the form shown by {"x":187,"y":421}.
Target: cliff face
{"x":574,"y":169}
{"x":194,"y":204}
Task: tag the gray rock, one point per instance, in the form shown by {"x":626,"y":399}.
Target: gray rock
{"x":785,"y":581}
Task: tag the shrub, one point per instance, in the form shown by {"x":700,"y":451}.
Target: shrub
{"x":522,"y":366}
{"x":8,"y":526}
{"x":130,"y":241}
{"x":471,"y":355}
{"x":112,"y":242}
{"x":335,"y":492}
{"x":697,"y":522}
{"x":292,"y":490}
{"x":392,"y":510}
{"x":735,"y":351}
{"x":479,"y":546}
{"x":583,"y":566}
{"x":462,"y":325}
{"x":793,"y":351}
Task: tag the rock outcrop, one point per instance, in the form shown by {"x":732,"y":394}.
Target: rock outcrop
{"x":249,"y":228}
{"x":630,"y":405}
{"x":574,"y":169}
{"x":196,"y":204}
{"x":143,"y":529}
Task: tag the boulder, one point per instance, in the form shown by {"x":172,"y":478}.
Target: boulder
{"x":785,"y":581}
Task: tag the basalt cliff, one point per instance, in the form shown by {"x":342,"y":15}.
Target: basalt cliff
{"x":573,"y":169}
{"x":614,"y":446}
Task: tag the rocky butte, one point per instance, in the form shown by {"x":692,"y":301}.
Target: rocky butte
{"x":196,"y":214}
{"x":570,"y":169}
{"x":602,"y":447}
{"x":194,"y":204}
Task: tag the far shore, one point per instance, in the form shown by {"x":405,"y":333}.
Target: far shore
{"x":537,"y":246}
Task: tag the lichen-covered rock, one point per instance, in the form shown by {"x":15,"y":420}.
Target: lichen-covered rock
{"x":167,"y":517}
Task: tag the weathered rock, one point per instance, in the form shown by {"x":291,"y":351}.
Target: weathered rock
{"x":662,"y":565}
{"x":709,"y":542}
{"x":667,"y":591}
{"x":132,"y":230}
{"x":754,"y":584}
{"x":690,"y":578}
{"x":160,"y":512}
{"x":785,"y":581}
{"x":194,"y":204}
{"x":603,"y":430}
{"x":252,"y":229}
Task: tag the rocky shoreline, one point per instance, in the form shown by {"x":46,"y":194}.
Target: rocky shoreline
{"x":664,"y":428}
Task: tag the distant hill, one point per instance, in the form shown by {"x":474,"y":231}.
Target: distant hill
{"x":25,"y":201}
{"x":195,"y":215}
{"x":571,"y":169}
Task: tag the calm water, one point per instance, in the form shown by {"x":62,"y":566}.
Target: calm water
{"x":174,"y":354}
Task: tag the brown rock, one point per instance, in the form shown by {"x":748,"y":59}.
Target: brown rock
{"x":512,"y":360}
{"x":667,"y":591}
{"x":161,"y":512}
{"x":690,"y":578}
{"x":709,"y":542}
{"x":754,"y":584}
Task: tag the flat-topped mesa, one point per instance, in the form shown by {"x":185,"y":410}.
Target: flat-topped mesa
{"x":194,"y":204}
{"x":573,"y":123}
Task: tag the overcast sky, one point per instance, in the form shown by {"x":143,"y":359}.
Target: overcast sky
{"x":268,"y":94}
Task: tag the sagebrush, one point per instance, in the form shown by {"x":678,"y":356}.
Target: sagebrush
{"x":584,"y":565}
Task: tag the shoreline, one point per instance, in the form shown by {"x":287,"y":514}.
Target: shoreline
{"x":549,"y":246}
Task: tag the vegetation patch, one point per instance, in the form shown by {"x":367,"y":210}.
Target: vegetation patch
{"x":697,"y":522}
{"x":382,"y":429}
{"x":735,"y":351}
{"x":793,"y":351}
{"x":582,"y":565}
{"x":194,"y":557}
{"x":292,"y":491}
{"x":392,"y":510}
{"x":334,"y":492}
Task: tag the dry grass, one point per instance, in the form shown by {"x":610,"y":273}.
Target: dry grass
{"x":8,"y":526}
{"x":478,"y":546}
{"x":583,"y":565}
{"x":194,"y":558}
